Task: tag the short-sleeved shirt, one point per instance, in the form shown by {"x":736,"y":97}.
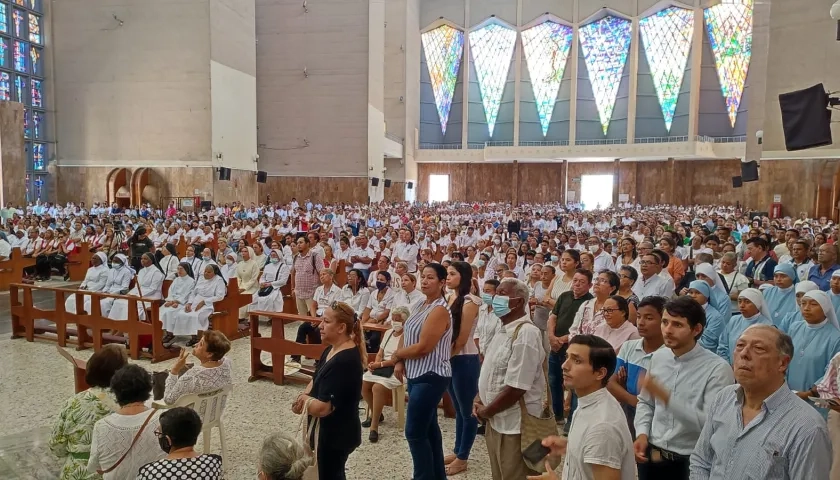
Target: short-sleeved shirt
{"x":823,"y":280}
{"x":765,"y":266}
{"x":203,"y":467}
{"x":339,"y":381}
{"x":635,"y":361}
{"x":565,"y":309}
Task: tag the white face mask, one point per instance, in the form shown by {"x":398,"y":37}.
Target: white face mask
{"x":496,"y":241}
{"x":593,"y":249}
{"x":230,"y":262}
{"x":397,"y":326}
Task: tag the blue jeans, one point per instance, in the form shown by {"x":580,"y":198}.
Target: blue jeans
{"x":555,"y":380}
{"x":462,"y":390}
{"x":421,"y":426}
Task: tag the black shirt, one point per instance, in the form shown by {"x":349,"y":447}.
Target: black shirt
{"x":339,"y":380}
{"x":565,"y":309}
{"x":514,"y":226}
{"x":139,"y":247}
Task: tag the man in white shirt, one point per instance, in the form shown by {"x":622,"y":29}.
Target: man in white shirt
{"x":362,"y":255}
{"x":650,"y":282}
{"x":599,"y":445}
{"x":603,"y":260}
{"x":512,"y":370}
{"x":5,"y":250}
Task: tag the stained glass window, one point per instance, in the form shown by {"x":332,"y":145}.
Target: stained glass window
{"x":5,"y":87}
{"x":546,"y":49}
{"x":35,"y":57}
{"x":34,"y":28}
{"x":4,"y":51}
{"x":17,"y":16}
{"x":27,"y":124}
{"x":492,"y":49}
{"x":729,"y":26}
{"x":37,"y":93}
{"x":20,"y":89}
{"x":444,"y":47}
{"x":666,"y":36}
{"x":21,"y":51}
{"x":4,"y":19}
{"x":605,"y":45}
{"x":21,"y":2}
{"x":37,"y":124}
{"x":38,"y":156}
{"x":28,"y":192}
{"x":39,"y":186}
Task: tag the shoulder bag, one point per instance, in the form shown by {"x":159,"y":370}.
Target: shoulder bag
{"x":306,"y":428}
{"x":534,"y":428}
{"x":266,"y":291}
{"x":136,"y":437}
{"x":385,"y":372}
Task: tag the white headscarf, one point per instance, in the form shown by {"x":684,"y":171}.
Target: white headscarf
{"x":754,"y":295}
{"x":103,"y":258}
{"x":709,"y":271}
{"x":825,"y":302}
{"x":806,"y":286}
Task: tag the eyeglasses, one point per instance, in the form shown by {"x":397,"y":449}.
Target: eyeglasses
{"x":609,"y":310}
{"x":601,"y":280}
{"x":646,"y":262}
{"x":622,"y":275}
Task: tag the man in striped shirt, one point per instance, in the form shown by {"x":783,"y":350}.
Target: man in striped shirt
{"x":759,"y":428}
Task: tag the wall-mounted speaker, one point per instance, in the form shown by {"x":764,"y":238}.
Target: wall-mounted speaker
{"x":387,"y":183}
{"x":737,"y":182}
{"x":410,"y":185}
{"x":374,"y":181}
{"x":206,"y":204}
{"x":262,"y":177}
{"x":224,"y":174}
{"x":806,"y":118}
{"x":749,"y":171}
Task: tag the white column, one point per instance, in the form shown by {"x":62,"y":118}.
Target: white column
{"x":634,"y":81}
{"x":696,"y":71}
{"x":465,"y":67}
{"x":573,"y":91}
{"x":517,"y":52}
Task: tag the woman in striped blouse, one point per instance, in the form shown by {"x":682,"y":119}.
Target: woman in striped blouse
{"x":423,"y":357}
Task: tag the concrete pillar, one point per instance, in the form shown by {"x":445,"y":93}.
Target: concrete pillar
{"x":574,"y":53}
{"x":616,"y":181}
{"x":13,"y":157}
{"x":517,"y":55}
{"x":634,"y":81}
{"x":465,"y":68}
{"x":696,"y":71}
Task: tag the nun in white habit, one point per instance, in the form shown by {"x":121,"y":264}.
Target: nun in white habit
{"x":95,"y":280}
{"x":169,"y":261}
{"x":229,"y":268}
{"x":149,"y":285}
{"x":275,"y":275}
{"x":194,"y":317}
{"x":119,"y":280}
{"x":179,"y":292}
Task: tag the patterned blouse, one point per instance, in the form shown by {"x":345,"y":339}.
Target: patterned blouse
{"x":72,"y":432}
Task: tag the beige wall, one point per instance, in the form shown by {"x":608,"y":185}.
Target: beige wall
{"x":133,"y":94}
{"x":13,"y":158}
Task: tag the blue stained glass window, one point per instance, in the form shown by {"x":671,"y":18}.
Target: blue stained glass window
{"x":37,"y":93}
{"x":22,"y":3}
{"x":547,"y":47}
{"x":35,"y":57}
{"x":17,"y":17}
{"x":38,"y":157}
{"x":666,"y":36}
{"x":4,"y":52}
{"x":605,"y":45}
{"x":443,"y":49}
{"x":729,"y":26}
{"x":39,"y":186}
{"x":21,"y":51}
{"x":20,"y":89}
{"x":27,"y":124}
{"x":5,"y":87}
{"x":28,"y":190}
{"x":34,"y":28}
{"x":492,"y":49}
{"x":4,"y":19}
{"x":37,"y":119}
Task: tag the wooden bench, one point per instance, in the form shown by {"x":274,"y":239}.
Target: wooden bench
{"x":61,"y":326}
{"x":11,"y":270}
{"x":279,"y":347}
{"x":79,"y":370}
{"x":225,"y":316}
{"x":77,"y":264}
{"x":341,"y":273}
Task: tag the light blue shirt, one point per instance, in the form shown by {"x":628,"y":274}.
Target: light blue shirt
{"x":835,"y":300}
{"x":733,"y":330}
{"x":789,"y":320}
{"x":785,"y":441}
{"x":813,"y":348}
{"x":693,"y":380}
{"x":780,"y":303}
{"x":714,"y":326}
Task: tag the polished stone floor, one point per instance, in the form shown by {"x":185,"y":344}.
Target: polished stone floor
{"x":35,"y":381}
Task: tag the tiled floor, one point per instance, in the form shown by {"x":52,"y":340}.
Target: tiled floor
{"x":35,"y":381}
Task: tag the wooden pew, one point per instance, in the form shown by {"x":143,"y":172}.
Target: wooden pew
{"x":79,"y":370}
{"x":77,"y":264}
{"x":88,"y":329}
{"x":181,"y":248}
{"x":341,"y":273}
{"x":11,"y":270}
{"x":225,"y":317}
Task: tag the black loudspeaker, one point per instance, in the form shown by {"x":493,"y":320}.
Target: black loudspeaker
{"x":374,"y":181}
{"x":410,"y":185}
{"x":749,"y":171}
{"x":206,"y":205}
{"x":737,"y":182}
{"x":806,"y":118}
{"x":387,"y":183}
{"x":262,"y":177}
{"x":224,"y":173}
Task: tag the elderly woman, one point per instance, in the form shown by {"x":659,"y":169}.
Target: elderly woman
{"x":356,"y":292}
{"x":119,"y":281}
{"x":753,"y":312}
{"x":212,"y":373}
{"x":379,"y":380}
{"x":269,"y":298}
{"x":71,"y":433}
{"x":247,"y":276}
{"x":178,"y":434}
{"x":95,"y":280}
{"x":616,"y":328}
{"x":224,"y":251}
{"x":179,"y":292}
{"x":148,"y":286}
{"x":327,"y":293}
{"x":228,"y":267}
{"x":781,"y":296}
{"x":282,"y":457}
{"x":195,"y":317}
{"x":129,"y":432}
{"x":378,"y":309}
{"x":701,"y":292}
{"x":408,"y":295}
{"x":169,"y":261}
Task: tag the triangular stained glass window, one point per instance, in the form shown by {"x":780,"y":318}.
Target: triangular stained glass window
{"x":605,"y":45}
{"x":443,"y":47}
{"x":729,"y":26}
{"x":546,"y":48}
{"x":666,"y":36}
{"x":492,"y":50}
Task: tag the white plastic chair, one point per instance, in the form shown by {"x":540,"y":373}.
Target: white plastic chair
{"x":210,"y":407}
{"x":397,"y":403}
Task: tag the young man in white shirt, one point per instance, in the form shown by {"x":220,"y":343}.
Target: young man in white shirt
{"x":599,"y":445}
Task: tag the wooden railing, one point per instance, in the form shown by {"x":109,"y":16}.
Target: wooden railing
{"x":11,"y":270}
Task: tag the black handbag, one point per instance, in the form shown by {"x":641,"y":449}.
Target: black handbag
{"x":386,"y":372}
{"x":266,"y":291}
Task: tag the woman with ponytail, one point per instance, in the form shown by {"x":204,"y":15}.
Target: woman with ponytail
{"x":335,"y":391}
{"x":465,"y":364}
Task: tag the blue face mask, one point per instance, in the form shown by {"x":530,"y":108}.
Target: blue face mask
{"x":480,"y":263}
{"x":501,"y":305}
{"x":487,"y":298}
{"x":275,"y":260}
{"x":555,"y":258}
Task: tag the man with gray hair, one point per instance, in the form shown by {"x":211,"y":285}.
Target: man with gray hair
{"x":759,"y":428}
{"x":512,"y":370}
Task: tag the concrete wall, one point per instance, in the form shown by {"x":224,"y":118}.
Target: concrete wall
{"x":13,"y":158}
{"x":136,"y":93}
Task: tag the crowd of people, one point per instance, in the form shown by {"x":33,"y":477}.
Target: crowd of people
{"x":662,"y":341}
